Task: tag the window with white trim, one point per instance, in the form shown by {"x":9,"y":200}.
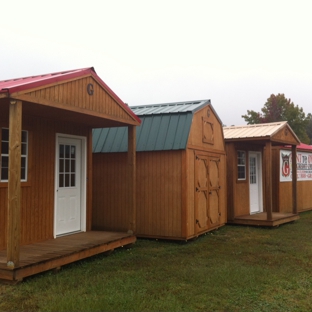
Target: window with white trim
{"x":241,"y":165}
{"x":4,"y":161}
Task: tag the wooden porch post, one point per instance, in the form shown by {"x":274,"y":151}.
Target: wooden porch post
{"x":14,"y":184}
{"x":132,"y":176}
{"x":294,"y":178}
{"x":268,"y":179}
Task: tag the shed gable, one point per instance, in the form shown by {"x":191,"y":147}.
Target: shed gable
{"x":84,"y":95}
{"x":286,"y":136}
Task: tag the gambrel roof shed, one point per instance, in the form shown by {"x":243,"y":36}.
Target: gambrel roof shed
{"x":180,"y":177}
{"x":164,"y":127}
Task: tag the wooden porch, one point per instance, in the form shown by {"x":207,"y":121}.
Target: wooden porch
{"x":261,"y":219}
{"x":54,"y":253}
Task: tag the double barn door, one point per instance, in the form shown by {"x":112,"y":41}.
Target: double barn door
{"x":207,"y":192}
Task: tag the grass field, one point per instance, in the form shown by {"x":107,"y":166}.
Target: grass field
{"x":231,"y":269}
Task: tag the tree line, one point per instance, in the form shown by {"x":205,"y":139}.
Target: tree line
{"x":279,"y":108}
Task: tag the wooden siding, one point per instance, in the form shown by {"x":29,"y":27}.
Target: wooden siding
{"x":37,"y":193}
{"x":165,"y":193}
{"x":73,"y":95}
{"x":282,"y":201}
{"x":158,"y":193}
{"x":110,"y":196}
{"x":200,"y":129}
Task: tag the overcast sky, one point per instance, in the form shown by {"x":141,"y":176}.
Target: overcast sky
{"x":234,"y":52}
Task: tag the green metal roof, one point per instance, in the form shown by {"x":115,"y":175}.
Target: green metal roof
{"x":163,"y":127}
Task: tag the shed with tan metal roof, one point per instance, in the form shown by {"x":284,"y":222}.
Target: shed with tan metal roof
{"x":250,"y":187}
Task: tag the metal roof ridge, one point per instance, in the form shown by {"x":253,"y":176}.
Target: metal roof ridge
{"x":276,"y":123}
{"x":195,"y":102}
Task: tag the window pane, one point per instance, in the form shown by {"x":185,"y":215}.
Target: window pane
{"x":24,"y":136}
{"x":23,"y":162}
{"x":24,"y":149}
{"x":67,"y":176}
{"x":73,"y":180}
{"x":4,"y":173}
{"x":5,"y":162}
{"x":73,"y":151}
{"x":72,"y":169}
{"x":23,"y":173}
{"x":241,"y":172}
{"x":5,"y":134}
{"x":67,"y":169}
{"x":241,"y":165}
{"x":61,"y":152}
{"x":61,"y":180}
{"x":61,"y":165}
{"x":66,"y":151}
{"x":5,"y":147}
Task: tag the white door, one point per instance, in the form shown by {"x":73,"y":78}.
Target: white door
{"x":255,"y":182}
{"x":68,"y":185}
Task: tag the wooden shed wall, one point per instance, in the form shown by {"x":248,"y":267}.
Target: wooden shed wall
{"x":238,"y":191}
{"x":37,"y":210}
{"x":282,"y":201}
{"x":159,"y":193}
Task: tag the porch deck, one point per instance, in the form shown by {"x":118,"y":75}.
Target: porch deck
{"x":260,"y":219}
{"x":54,"y":253}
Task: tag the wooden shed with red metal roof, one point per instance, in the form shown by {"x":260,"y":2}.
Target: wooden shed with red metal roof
{"x":282,"y":177}
{"x":46,"y":208}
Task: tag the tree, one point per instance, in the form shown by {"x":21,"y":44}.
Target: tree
{"x":278,"y":108}
{"x":309,"y":127}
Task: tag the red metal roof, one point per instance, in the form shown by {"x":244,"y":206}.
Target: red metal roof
{"x":21,"y":84}
{"x":302,"y":146}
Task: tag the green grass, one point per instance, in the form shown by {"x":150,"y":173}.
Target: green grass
{"x":232,"y":269}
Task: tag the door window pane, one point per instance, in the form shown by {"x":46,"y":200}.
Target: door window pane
{"x":67,"y":165}
{"x":252,"y":170}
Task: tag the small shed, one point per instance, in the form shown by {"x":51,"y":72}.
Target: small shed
{"x":282,"y":177}
{"x":180,"y":177}
{"x":46,"y":208}
{"x":250,"y":185}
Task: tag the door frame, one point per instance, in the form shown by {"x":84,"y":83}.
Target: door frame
{"x":260,"y":179}
{"x":83,"y":182}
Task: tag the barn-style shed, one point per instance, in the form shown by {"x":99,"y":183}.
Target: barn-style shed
{"x":46,"y":208}
{"x":250,"y":185}
{"x":181,"y":188}
{"x":282,"y":177}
